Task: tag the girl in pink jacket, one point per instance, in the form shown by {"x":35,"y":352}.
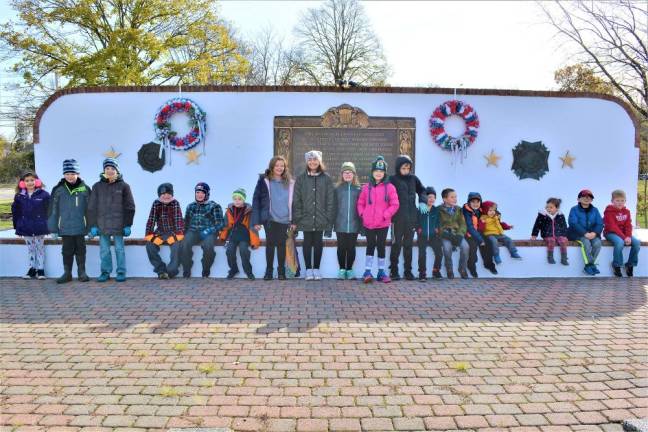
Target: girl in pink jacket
{"x":377,"y":203}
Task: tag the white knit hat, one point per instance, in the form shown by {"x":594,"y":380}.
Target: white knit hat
{"x":313,"y":154}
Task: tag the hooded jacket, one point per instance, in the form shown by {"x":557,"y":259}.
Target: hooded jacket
{"x":29,"y":213}
{"x":582,"y":221}
{"x":313,"y":205}
{"x":550,"y":226}
{"x":472,"y":223}
{"x":377,"y":204}
{"x":261,"y":201}
{"x":617,"y":221}
{"x":232,"y":224}
{"x":410,"y":193}
{"x":111,"y":207}
{"x":68,"y":208}
{"x":347,"y":219}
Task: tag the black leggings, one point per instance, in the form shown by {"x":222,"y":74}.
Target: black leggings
{"x":313,"y":246}
{"x":276,"y":238}
{"x":346,"y":249}
{"x":376,"y":238}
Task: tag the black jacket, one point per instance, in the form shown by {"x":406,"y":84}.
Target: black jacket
{"x":410,"y":193}
{"x":547,"y":227}
{"x":111,"y":207}
{"x":313,"y":206}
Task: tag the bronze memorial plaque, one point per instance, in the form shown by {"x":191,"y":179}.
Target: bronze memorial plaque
{"x":344,"y":133}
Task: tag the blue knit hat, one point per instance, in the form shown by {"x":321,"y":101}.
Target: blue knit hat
{"x":203,"y":187}
{"x":111,"y":162}
{"x":71,"y":166}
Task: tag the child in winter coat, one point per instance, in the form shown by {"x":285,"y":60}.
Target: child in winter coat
{"x":493,"y":228}
{"x":428,"y":236}
{"x":377,"y":204}
{"x":618,"y":230}
{"x":111,"y":210}
{"x":239,"y":234}
{"x":585,"y":226}
{"x":472,"y":212}
{"x":164,"y":225}
{"x":29,"y":214}
{"x":452,"y":227}
{"x":203,"y":222}
{"x":347,"y":221}
{"x":67,"y":219}
{"x":313,"y":211}
{"x":411,"y":199}
{"x":552,"y":226}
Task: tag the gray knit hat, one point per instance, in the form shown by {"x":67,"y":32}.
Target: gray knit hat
{"x":348,"y":166}
{"x":71,"y":166}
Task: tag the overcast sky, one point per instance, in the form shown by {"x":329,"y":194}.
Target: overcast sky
{"x":448,"y":44}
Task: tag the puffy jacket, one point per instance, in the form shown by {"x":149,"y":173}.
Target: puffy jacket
{"x":29,"y":213}
{"x":410,"y":193}
{"x":472,"y":222}
{"x":582,"y":221}
{"x":313,"y":205}
{"x":377,"y":204}
{"x":549,"y":226}
{"x":245,"y":222}
{"x":347,"y":219}
{"x":68,"y":208}
{"x":492,"y":225}
{"x":111,"y":207}
{"x":429,"y":224}
{"x":454,"y":222}
{"x":617,"y":221}
{"x":261,"y":200}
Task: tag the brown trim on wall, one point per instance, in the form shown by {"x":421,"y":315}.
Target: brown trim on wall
{"x":330,"y":89}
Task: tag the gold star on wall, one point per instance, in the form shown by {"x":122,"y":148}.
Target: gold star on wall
{"x":492,"y":159}
{"x":112,"y":153}
{"x":192,"y":157}
{"x":567,"y":160}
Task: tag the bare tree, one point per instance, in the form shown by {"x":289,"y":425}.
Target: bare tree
{"x":611,"y":39}
{"x":272,"y":61}
{"x":338,"y":43}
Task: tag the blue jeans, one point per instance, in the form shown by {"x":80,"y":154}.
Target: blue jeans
{"x":590,"y":249}
{"x":494,"y":241}
{"x":106,"y":256}
{"x":635,"y":246}
{"x":447,"y":254}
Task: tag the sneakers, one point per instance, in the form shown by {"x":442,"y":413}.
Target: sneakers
{"x":409,"y":275}
{"x":231,"y":274}
{"x":596,"y":269}
{"x":163,"y":275}
{"x":589,"y":269}
{"x":268,"y":275}
{"x":309,"y":275}
{"x":342,"y":273}
{"x":394,"y":275}
{"x":497,"y":259}
{"x":103,"y":277}
{"x":383,"y":277}
{"x":449,"y":274}
{"x":473,"y":272}
{"x":436,"y":274}
{"x":516,"y":256}
{"x":422,"y":277}
{"x":629,"y":270}
{"x":250,"y":276}
{"x":121,"y":277}
{"x":350,"y":275}
{"x":40,"y":274}
{"x":617,"y":271}
{"x":31,"y":274}
{"x":463,"y":274}
{"x":316,"y":274}
{"x":367,"y":277}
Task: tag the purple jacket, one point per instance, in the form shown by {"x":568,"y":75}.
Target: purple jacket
{"x":30,"y":213}
{"x":377,"y":205}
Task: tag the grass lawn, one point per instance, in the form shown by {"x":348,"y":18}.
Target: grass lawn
{"x":5,"y":214}
{"x":642,"y":201}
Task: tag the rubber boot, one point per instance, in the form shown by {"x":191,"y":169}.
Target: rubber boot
{"x":563,"y":258}
{"x":67,"y":270}
{"x":81,"y":271}
{"x":550,"y":257}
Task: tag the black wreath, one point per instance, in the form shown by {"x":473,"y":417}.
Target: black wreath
{"x":149,"y":158}
{"x":530,"y":160}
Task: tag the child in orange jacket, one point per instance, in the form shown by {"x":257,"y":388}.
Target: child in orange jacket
{"x":239,"y":234}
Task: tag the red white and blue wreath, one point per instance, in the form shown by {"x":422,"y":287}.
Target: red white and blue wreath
{"x":457,"y":145}
{"x":168,"y":138}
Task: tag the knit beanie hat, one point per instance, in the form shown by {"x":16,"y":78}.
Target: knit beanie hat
{"x":71,"y":166}
{"x":379,"y":164}
{"x":430,"y":191}
{"x":165,"y":188}
{"x":240,"y":192}
{"x":313,"y":154}
{"x":111,"y":162}
{"x":487,"y":205}
{"x":348,"y":166}
{"x":474,"y":195}
{"x":203,"y":187}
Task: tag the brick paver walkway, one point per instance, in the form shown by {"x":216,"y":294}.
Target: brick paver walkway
{"x":519,"y":355}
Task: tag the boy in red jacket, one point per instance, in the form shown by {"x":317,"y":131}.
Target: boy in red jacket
{"x":618,"y":229}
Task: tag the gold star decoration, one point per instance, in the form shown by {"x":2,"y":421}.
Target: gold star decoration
{"x":492,"y":159}
{"x":192,"y":157}
{"x":567,"y":160}
{"x":112,"y":153}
